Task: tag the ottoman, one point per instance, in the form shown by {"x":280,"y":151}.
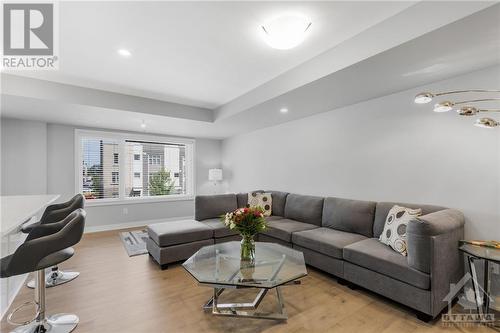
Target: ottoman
{"x":173,"y":241}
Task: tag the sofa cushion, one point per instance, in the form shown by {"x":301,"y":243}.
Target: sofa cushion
{"x":383,"y":209}
{"x":325,"y":240}
{"x":279,"y":201}
{"x":349,"y":215}
{"x":178,"y":232}
{"x":212,"y":206}
{"x":304,"y":208}
{"x":283,"y":228}
{"x":378,"y":257}
{"x":273,"y":218}
{"x":242,"y":199}
{"x":219,"y":228}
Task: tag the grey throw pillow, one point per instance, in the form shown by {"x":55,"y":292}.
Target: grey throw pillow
{"x":394,"y":233}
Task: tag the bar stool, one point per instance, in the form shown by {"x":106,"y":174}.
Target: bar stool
{"x":46,"y":245}
{"x":55,"y":213}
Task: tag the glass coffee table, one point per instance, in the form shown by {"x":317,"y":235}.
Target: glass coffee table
{"x":219,"y":267}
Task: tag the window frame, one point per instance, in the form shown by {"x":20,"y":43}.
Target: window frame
{"x":121,"y":138}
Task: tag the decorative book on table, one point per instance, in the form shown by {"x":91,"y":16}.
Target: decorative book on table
{"x":491,"y":243}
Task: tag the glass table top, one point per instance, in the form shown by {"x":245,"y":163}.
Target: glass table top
{"x":482,"y":252}
{"x":220,"y":264}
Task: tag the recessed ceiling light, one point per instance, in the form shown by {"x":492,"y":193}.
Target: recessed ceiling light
{"x":283,"y":110}
{"x":124,"y":53}
{"x":143,"y":125}
{"x":286,"y":31}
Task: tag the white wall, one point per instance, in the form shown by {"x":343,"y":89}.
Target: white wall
{"x":23,"y":171}
{"x":23,"y":157}
{"x":382,"y":149}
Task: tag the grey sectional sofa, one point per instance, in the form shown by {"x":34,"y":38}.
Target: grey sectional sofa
{"x":340,"y":236}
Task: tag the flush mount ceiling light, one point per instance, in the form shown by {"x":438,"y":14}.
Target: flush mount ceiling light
{"x":285,"y":31}
{"x":468,"y":110}
{"x":124,"y":53}
{"x":283,"y":110}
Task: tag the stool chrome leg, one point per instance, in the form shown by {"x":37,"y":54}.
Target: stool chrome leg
{"x":59,"y":323}
{"x":55,"y":277}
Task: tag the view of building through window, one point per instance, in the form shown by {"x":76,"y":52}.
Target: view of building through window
{"x":160,"y":170}
{"x":150,"y":168}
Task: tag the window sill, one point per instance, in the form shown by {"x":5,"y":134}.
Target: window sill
{"x":133,"y":201}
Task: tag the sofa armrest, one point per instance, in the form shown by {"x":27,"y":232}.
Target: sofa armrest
{"x":440,"y":222}
{"x":421,"y":230}
{"x":433,"y":241}
{"x":212,"y":206}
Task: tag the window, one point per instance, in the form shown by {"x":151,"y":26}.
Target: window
{"x":149,"y":167}
{"x":154,"y":159}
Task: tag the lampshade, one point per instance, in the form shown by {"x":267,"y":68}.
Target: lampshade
{"x":468,"y":111}
{"x":443,"y":106}
{"x":215,"y":174}
{"x":424,"y":98}
{"x":486,"y":123}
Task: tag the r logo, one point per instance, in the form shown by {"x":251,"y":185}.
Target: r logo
{"x":28,"y":29}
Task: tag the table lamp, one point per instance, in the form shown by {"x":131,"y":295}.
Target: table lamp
{"x":215,"y":175}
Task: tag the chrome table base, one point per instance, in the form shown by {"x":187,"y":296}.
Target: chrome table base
{"x":248,"y":310}
{"x":59,"y":323}
{"x":55,"y":278}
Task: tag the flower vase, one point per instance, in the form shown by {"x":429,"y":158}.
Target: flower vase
{"x":247,"y":248}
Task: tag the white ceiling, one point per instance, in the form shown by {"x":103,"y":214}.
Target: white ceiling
{"x":418,"y":45}
{"x":197,"y":53}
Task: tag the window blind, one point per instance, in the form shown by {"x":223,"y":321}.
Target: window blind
{"x":100,"y":168}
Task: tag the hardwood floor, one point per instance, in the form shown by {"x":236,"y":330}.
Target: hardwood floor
{"x":115,"y":293}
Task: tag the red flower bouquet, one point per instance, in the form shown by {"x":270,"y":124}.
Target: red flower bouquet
{"x":248,"y":222}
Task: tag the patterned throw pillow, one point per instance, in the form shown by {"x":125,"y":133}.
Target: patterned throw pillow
{"x":264,"y":200}
{"x":394,"y":233}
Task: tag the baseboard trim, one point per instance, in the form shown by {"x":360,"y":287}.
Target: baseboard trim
{"x":133,"y":224}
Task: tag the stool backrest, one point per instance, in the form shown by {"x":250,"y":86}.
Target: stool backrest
{"x":45,"y":240}
{"x":58,"y":212}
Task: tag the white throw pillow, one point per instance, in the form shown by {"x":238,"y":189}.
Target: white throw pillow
{"x":263,"y":200}
{"x":394,"y":233}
